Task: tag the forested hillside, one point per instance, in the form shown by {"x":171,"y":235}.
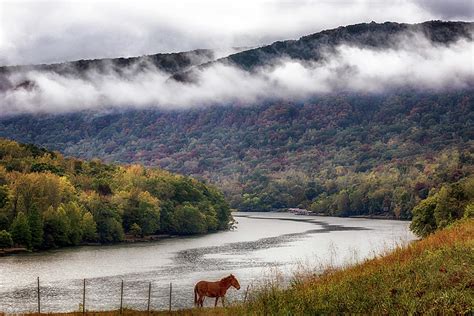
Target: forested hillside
{"x":48,"y":201}
{"x":344,"y":154}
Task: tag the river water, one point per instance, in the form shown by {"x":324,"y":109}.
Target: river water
{"x":263,"y":245}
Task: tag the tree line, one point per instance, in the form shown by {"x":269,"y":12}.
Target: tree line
{"x":444,"y":206}
{"x":49,"y":201}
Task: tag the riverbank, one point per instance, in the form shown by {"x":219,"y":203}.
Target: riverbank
{"x":11,"y":251}
{"x":305,"y":212}
{"x":127,"y":240}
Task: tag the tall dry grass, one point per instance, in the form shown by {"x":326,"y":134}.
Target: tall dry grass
{"x":433,"y":275}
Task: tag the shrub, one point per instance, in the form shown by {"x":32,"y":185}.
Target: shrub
{"x":6,"y":240}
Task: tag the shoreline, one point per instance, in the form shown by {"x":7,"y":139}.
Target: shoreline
{"x":326,"y":215}
{"x":153,"y":238}
{"x":128,"y":240}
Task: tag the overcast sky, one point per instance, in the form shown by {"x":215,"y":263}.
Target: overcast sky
{"x":53,"y":31}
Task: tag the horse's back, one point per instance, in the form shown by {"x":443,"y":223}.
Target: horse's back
{"x":201,"y":286}
{"x":207,"y":288}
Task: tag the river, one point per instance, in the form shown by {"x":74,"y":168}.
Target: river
{"x":263,"y":245}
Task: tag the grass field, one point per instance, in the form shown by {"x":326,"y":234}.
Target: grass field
{"x":430,"y":276}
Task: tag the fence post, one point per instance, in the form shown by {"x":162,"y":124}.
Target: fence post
{"x":171,"y":290}
{"x":246,"y":292}
{"x":39,"y":299}
{"x":149,"y":298}
{"x":121,"y":298}
{"x":84,"y":298}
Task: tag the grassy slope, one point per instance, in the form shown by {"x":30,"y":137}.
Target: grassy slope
{"x":433,"y":275}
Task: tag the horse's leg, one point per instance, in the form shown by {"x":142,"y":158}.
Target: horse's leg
{"x":201,"y":300}
{"x":222,"y":299}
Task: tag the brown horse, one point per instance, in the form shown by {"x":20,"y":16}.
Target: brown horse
{"x":214,"y":289}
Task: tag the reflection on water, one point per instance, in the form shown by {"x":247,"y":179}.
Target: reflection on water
{"x":262,"y":241}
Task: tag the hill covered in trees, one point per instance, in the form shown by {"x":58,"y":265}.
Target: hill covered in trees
{"x":343,"y":154}
{"x":48,"y":201}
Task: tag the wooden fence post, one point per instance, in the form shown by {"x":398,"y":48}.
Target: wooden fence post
{"x":171,"y":290}
{"x":121,"y":298}
{"x":149,"y":298}
{"x":39,"y":299}
{"x":246,"y":292}
{"x":84,"y":298}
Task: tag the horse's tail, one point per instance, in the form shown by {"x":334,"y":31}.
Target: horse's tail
{"x":195,"y":295}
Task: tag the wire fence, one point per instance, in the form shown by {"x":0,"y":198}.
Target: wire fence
{"x":142,"y":296}
{"x":83,"y":306}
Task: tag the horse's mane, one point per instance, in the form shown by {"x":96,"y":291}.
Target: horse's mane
{"x":227,"y":278}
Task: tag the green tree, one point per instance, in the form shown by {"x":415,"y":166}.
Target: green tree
{"x":20,"y":230}
{"x":5,"y":239}
{"x":312,"y":190}
{"x":343,"y":203}
{"x":210,"y":214}
{"x":3,"y":196}
{"x":112,"y":230}
{"x":143,"y":209}
{"x":136,"y":230}
{"x":190,"y":220}
{"x":36,"y":228}
{"x":322,"y":204}
{"x":107,"y":216}
{"x":186,"y":190}
{"x":40,"y":190}
{"x":424,"y":222}
{"x":443,"y":209}
{"x":218,"y":204}
{"x":469,"y":210}
{"x":74,"y":213}
{"x":168,"y":221}
{"x":88,"y":227}
{"x":56,"y":228}
{"x":149,"y":209}
{"x":4,"y":221}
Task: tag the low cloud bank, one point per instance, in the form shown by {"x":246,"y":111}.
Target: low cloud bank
{"x":347,"y":68}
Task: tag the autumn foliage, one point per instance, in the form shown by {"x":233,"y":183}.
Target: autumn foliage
{"x":48,"y":201}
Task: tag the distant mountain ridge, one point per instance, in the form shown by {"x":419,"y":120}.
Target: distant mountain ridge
{"x":364,"y":35}
{"x":312,"y":47}
{"x":181,"y":66}
{"x":168,"y":63}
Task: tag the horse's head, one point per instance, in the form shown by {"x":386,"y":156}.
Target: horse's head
{"x":234,"y":282}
